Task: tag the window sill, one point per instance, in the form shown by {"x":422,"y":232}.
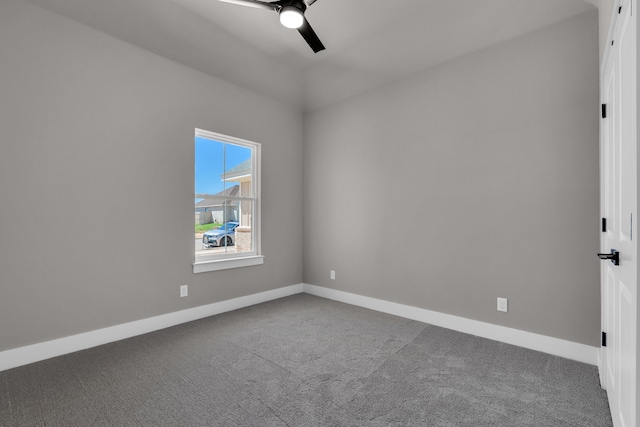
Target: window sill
{"x":224,"y":264}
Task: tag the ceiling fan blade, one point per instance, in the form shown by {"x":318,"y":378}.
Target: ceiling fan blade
{"x":256,"y":3}
{"x":310,"y":36}
{"x":310,"y":2}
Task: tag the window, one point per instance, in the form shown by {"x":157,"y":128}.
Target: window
{"x":227,"y":202}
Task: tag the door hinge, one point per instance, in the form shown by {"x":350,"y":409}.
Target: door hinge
{"x":604,"y":339}
{"x":604,"y":225}
{"x":604,"y":111}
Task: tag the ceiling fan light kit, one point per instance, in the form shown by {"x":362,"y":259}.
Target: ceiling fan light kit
{"x":291,"y":16}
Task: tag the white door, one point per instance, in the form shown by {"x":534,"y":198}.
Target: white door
{"x":619,"y":207}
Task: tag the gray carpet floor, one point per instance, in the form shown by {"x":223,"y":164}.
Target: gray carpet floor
{"x":304,"y":361}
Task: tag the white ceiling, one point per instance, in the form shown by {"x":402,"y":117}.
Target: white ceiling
{"x":369,"y":42}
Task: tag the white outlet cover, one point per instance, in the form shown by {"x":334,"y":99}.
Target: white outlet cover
{"x":333,"y":275}
{"x":184,"y":291}
{"x":503,"y":304}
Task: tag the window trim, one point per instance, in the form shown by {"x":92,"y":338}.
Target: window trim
{"x":244,"y":259}
{"x":227,"y":263}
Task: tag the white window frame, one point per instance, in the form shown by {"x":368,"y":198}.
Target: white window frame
{"x":216,"y":262}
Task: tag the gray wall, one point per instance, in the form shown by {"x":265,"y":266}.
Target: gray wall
{"x":488,"y":166}
{"x":95,"y":132}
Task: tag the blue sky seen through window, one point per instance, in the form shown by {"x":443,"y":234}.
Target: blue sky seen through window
{"x":212,"y":158}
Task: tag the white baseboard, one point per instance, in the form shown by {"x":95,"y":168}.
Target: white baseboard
{"x":46,"y":350}
{"x":557,"y":347}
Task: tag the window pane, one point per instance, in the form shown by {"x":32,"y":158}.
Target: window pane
{"x":243,"y":236}
{"x":238,"y":171}
{"x":209,"y":166}
{"x":228,"y":236}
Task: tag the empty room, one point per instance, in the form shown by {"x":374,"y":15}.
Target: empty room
{"x":318,"y":213}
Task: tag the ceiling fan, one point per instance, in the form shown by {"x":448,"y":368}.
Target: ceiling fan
{"x":291,"y":16}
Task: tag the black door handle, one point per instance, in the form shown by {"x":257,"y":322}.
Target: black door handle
{"x":614,"y":256}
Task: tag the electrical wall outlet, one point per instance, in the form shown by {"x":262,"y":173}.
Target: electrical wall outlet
{"x":503,"y":304}
{"x":184,"y":291}
{"x":333,"y":275}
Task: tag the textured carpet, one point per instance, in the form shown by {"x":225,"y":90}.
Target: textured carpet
{"x":304,"y":361}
